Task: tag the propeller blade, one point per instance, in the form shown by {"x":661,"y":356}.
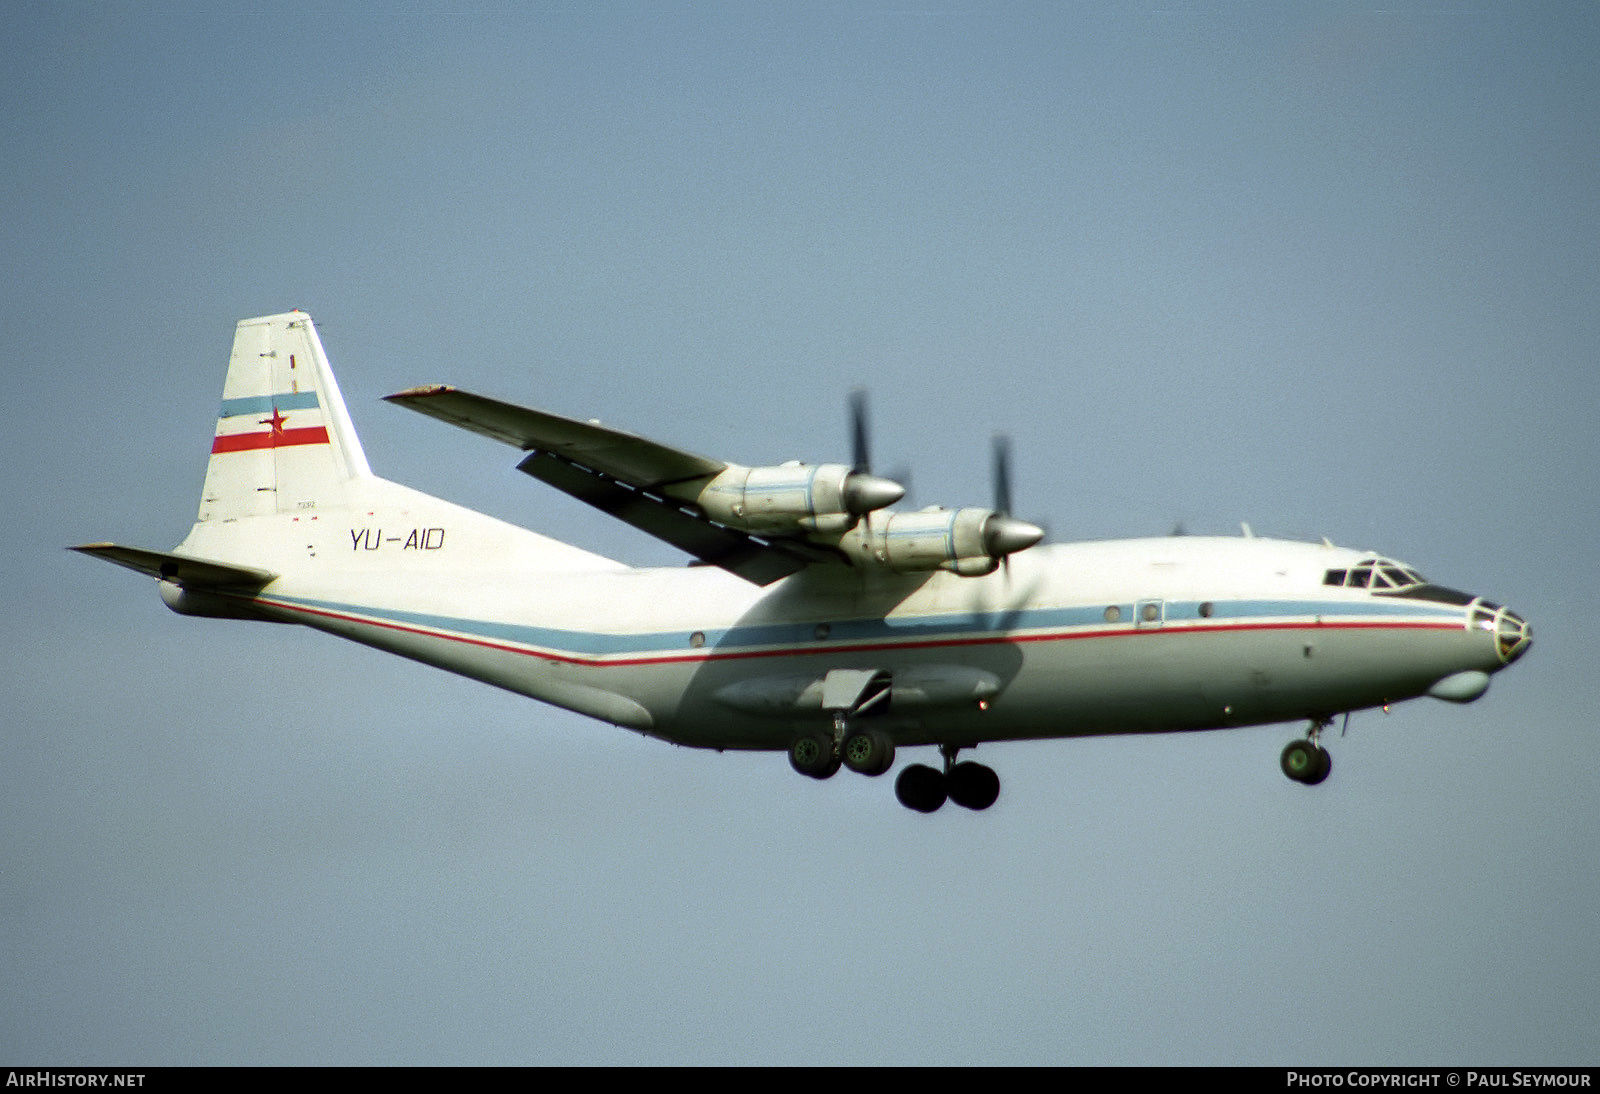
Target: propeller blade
{"x":901,"y":474}
{"x":860,"y":448}
{"x":1002,"y":474}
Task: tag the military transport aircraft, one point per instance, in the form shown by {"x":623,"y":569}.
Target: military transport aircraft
{"x":813,"y":619}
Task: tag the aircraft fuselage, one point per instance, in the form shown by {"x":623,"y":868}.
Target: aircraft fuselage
{"x":1104,"y":637}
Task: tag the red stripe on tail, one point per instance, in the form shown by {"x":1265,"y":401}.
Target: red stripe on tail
{"x":283,"y":438}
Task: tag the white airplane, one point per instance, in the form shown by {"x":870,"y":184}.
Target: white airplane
{"x":814,"y":619}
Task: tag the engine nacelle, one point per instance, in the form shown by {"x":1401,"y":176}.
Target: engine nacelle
{"x":969,"y":541}
{"x":828,"y":498}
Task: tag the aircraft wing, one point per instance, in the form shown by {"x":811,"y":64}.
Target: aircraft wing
{"x":637,"y":461}
{"x":621,"y":474}
{"x":198,"y":573}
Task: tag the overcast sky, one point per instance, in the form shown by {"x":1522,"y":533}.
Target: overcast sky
{"x":1327,"y":269}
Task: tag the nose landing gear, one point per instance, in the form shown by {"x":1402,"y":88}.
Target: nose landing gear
{"x":1306,"y":761}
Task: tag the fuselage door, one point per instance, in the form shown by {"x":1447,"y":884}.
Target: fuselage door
{"x":1149,"y":613}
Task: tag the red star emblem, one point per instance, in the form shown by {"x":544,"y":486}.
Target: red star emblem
{"x":276,"y":422}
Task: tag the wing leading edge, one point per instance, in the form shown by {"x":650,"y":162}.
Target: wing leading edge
{"x":623,"y":456}
{"x":623,"y":475}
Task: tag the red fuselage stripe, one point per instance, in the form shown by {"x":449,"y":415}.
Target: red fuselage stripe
{"x":869,"y":647}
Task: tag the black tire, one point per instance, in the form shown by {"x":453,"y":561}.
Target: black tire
{"x":973,"y":785}
{"x":921,"y":788}
{"x":1324,"y":765}
{"x":869,"y":752}
{"x":812,"y":755}
{"x":1305,"y":762}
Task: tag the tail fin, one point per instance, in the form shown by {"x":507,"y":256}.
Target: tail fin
{"x":284,"y":440}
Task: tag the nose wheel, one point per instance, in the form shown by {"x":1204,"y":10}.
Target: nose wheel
{"x":1306,"y":761}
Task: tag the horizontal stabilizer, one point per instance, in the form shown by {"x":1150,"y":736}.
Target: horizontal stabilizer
{"x":191,"y":573}
{"x":632,"y":459}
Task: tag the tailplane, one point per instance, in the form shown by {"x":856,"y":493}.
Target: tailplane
{"x":284,"y":441}
{"x":182,"y":570}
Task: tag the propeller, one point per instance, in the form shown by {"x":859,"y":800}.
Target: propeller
{"x":864,"y":491}
{"x":1004,"y":533}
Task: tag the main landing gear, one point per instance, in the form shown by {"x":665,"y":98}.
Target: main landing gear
{"x":970,"y":785}
{"x":846,"y":693}
{"x":818,"y":753}
{"x":920,"y":787}
{"x":1306,"y":761}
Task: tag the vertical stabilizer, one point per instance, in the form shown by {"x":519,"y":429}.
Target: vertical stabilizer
{"x":284,"y":441}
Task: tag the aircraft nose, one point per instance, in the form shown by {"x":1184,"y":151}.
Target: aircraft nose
{"x":1512,"y":635}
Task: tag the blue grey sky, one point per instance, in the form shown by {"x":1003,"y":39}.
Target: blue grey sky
{"x":1329,"y":269}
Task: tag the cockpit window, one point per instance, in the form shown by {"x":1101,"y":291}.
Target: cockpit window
{"x":1374,"y":573}
{"x":1398,"y":576}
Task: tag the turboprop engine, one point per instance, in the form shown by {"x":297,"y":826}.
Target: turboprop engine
{"x":835,"y":507}
{"x":828,"y":498}
{"x":970,"y":541}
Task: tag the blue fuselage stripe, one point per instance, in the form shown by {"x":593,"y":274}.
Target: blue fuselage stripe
{"x":957,"y":627}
